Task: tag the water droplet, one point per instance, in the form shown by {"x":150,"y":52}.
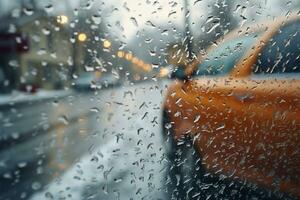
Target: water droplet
{"x":196,"y":118}
{"x":168,"y":125}
{"x":22,"y":164}
{"x":118,"y":180}
{"x":28,"y":11}
{"x":148,"y":41}
{"x":16,"y":13}
{"x":13,"y":63}
{"x":152,"y":53}
{"x":15,"y":135}
{"x":149,"y":23}
{"x":87,"y":6}
{"x":171,"y":13}
{"x":72,"y":40}
{"x":46,"y":31}
{"x":96,"y":110}
{"x":165,"y":32}
{"x":36,"y":185}
{"x":48,"y":195}
{"x":177,"y":114}
{"x":105,"y":189}
{"x":222,"y":126}
{"x":55,"y":103}
{"x":49,"y":8}
{"x":63,"y":119}
{"x":197,"y":1}
{"x":41,"y":52}
{"x":89,"y":68}
{"x":96,"y":19}
{"x":134,"y":21}
{"x":115,"y":73}
{"x":7,"y":175}
{"x":213,"y":27}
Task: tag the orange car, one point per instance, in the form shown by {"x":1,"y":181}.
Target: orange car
{"x":233,"y":117}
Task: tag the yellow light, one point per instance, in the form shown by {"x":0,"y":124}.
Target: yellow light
{"x":140,"y":63}
{"x":120,"y":54}
{"x":136,"y":77}
{"x":128,"y":56}
{"x":98,"y":74}
{"x":106,"y":43}
{"x":62,"y":19}
{"x":163,"y":72}
{"x":147,"y":68}
{"x":82,"y":37}
{"x":135,"y":60}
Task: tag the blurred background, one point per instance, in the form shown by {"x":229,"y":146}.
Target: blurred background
{"x":81,"y":86}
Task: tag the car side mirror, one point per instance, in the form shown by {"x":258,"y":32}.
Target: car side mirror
{"x":179,"y":73}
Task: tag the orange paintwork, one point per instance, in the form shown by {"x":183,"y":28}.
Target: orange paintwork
{"x":243,"y":127}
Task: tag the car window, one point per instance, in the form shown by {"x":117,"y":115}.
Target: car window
{"x":223,"y":58}
{"x":282,"y":53}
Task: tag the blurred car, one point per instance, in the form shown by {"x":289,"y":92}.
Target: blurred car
{"x":94,"y":80}
{"x":234,"y":114}
{"x":108,"y":80}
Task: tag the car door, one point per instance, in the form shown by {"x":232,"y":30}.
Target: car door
{"x":277,"y":96}
{"x":250,"y":126}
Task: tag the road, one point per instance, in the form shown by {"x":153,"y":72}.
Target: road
{"x":104,"y":145}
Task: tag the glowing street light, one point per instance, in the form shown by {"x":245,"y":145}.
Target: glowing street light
{"x":106,"y":43}
{"x":82,"y":37}
{"x":135,"y":60}
{"x":147,"y":67}
{"x":163,"y":72}
{"x":62,"y":19}
{"x":128,"y":56}
{"x":140,"y":63}
{"x":120,"y":54}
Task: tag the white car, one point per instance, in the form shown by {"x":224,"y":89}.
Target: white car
{"x":93,"y":81}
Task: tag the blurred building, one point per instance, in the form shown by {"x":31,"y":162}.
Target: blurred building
{"x":49,"y":58}
{"x":12,"y":44}
{"x":45,"y":55}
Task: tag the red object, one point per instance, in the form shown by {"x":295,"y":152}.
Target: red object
{"x":13,"y":43}
{"x":29,"y":88}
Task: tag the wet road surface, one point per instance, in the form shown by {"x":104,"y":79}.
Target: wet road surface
{"x":103,"y":145}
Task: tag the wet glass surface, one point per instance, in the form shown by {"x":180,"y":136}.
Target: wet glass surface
{"x":149,"y":99}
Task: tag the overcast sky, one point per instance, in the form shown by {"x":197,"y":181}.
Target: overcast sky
{"x":128,"y":16}
{"x":134,"y":15}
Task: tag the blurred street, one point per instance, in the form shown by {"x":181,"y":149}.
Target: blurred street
{"x":87,"y":146}
{"x":184,"y":99}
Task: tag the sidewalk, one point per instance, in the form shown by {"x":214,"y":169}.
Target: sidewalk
{"x":22,"y":97}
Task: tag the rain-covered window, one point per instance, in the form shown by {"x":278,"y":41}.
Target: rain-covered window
{"x":222,"y":59}
{"x":149,"y":99}
{"x":281,"y":54}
